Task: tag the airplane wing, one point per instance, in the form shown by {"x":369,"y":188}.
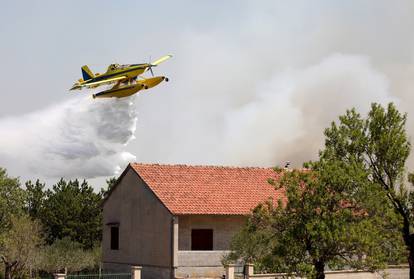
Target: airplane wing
{"x":104,"y":81}
{"x":162,"y":59}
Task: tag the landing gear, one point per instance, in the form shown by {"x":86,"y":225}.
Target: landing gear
{"x":166,"y":79}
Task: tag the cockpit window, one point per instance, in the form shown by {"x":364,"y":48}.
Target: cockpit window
{"x":113,"y":67}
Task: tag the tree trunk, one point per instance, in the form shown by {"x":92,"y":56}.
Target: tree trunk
{"x":7,"y":271}
{"x":409,"y":242}
{"x":320,"y":269}
{"x":411,"y":260}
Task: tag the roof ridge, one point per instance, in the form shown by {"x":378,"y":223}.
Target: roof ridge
{"x":200,"y":166}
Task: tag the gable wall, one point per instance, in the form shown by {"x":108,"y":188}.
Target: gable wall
{"x":145,"y":228}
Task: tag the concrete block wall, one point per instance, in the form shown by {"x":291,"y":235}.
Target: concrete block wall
{"x":224,"y":227}
{"x":200,"y":264}
{"x":396,"y":272}
{"x":146,"y":272}
{"x":205,"y":263}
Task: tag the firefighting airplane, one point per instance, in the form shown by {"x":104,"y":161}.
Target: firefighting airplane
{"x":125,"y":78}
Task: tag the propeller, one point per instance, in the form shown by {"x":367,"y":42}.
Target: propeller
{"x":156,"y":62}
{"x":150,"y":66}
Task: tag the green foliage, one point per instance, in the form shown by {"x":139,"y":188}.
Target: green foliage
{"x":71,"y":216}
{"x":110,"y":183}
{"x":67,"y":255}
{"x":323,"y":222}
{"x":380,"y":145}
{"x":72,"y":209}
{"x":339,"y":211}
{"x":19,"y":246}
{"x":11,"y":199}
{"x":35,"y":198}
{"x":411,"y":178}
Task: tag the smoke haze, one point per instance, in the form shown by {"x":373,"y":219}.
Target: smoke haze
{"x":261,"y":91}
{"x":279,"y":119}
{"x":250,"y":84}
{"x":291,"y":110}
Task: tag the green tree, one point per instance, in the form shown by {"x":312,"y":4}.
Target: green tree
{"x":323,"y":222}
{"x":65,"y":255}
{"x":19,"y":246}
{"x":35,"y":198}
{"x":380,"y":144}
{"x":72,"y":209}
{"x":11,"y":199}
{"x":110,"y":183}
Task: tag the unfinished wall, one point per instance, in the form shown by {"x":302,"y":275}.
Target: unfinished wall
{"x":145,"y":228}
{"x":205,"y":263}
{"x":224,"y":227}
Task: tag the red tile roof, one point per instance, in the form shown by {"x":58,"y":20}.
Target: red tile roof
{"x":209,"y":189}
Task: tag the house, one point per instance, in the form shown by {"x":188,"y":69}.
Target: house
{"x":178,"y":220}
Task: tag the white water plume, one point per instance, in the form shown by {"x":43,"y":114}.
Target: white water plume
{"x":81,"y":137}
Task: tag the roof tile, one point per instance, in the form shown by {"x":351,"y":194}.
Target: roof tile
{"x":209,"y":189}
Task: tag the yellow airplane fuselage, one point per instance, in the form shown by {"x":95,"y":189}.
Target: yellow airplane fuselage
{"x":129,"y":72}
{"x":127,"y":79}
{"x":130,"y":89}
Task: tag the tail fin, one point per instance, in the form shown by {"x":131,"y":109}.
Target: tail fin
{"x":87,"y":73}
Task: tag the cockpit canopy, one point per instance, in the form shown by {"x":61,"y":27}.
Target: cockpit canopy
{"x":114,"y":67}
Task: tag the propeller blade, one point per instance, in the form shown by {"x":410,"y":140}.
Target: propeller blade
{"x":162,"y":59}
